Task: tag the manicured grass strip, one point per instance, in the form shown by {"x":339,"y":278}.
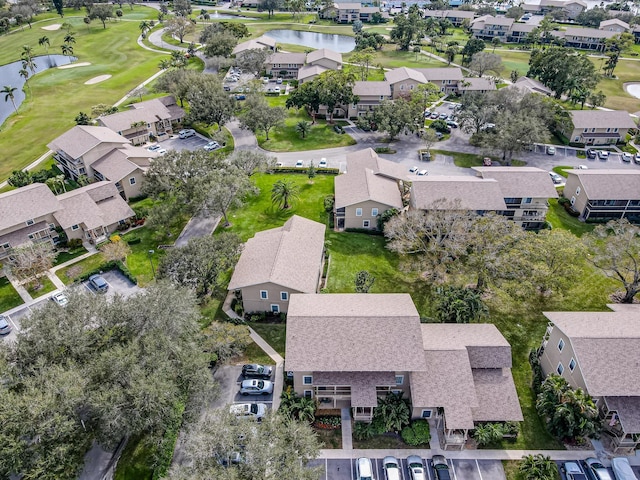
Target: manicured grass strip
{"x":254,"y":354}
{"x":135,"y":462}
{"x":558,"y":217}
{"x":9,"y":298}
{"x":46,"y":287}
{"x":63,"y":257}
{"x":560,"y":170}
{"x":273,"y":333}
{"x":70,"y":273}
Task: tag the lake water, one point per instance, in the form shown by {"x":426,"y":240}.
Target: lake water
{"x":10,"y":75}
{"x":221,"y":16}
{"x":633,"y":89}
{"x":337,"y":43}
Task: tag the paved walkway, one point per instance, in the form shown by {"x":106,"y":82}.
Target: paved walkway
{"x":24,"y":295}
{"x":347,"y":436}
{"x":559,"y":455}
{"x":198,"y":226}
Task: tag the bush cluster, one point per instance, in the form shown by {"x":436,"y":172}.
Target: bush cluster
{"x":417,"y":433}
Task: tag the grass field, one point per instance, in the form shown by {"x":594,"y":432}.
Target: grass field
{"x":70,"y":273}
{"x":56,"y":96}
{"x":273,"y":333}
{"x":391,"y":57}
{"x":9,"y":298}
{"x":45,"y":287}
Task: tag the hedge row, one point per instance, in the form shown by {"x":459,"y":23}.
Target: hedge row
{"x":105,"y":267}
{"x":164,"y":454}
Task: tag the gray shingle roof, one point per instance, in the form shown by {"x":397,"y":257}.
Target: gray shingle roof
{"x":497,"y":396}
{"x":614,"y":21}
{"x":588,"y":33}
{"x":368,"y":158}
{"x":310,"y":70}
{"x":290,"y":256}
{"x":628,"y":409}
{"x":520,"y":182}
{"x":150,"y":111}
{"x":286,"y":58}
{"x":468,"y":193}
{"x":363,"y":384}
{"x":324,"y":53}
{"x":361,"y":185}
{"x":82,"y":138}
{"x":530,"y":85}
{"x":115,"y":165}
{"x":403,"y":73}
{"x":26,"y":203}
{"x":607,"y":349}
{"x":440,"y":74}
{"x":601,"y":118}
{"x":366,"y":89}
{"x":471,"y":84}
{"x":353,"y":333}
{"x":255,"y":43}
{"x":609,"y":184}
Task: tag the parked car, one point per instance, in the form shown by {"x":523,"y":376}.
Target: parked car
{"x":440,"y":467}
{"x":186,"y":133}
{"x":636,"y":158}
{"x":556,"y":178}
{"x":300,"y":163}
{"x":59,"y":299}
{"x":98,"y":283}
{"x":423,"y":173}
{"x":452,"y":123}
{"x":413,"y":170}
{"x":250,"y":411}
{"x":153,"y":148}
{"x":211,"y":146}
{"x":416,"y":468}
{"x":551,"y":150}
{"x":227,"y":88}
{"x":241,"y":97}
{"x":573,"y":471}
{"x":161,"y":151}
{"x":622,"y":469}
{"x":279,"y":164}
{"x":626,"y":157}
{"x":256,"y":387}
{"x":583,"y":167}
{"x":265,"y":79}
{"x":597,"y":470}
{"x":254,"y":370}
{"x":603,"y":154}
{"x":434,"y":115}
{"x":5,"y":327}
{"x":427,"y":113}
{"x":279,"y":81}
{"x":323,"y":163}
{"x":391,"y":468}
{"x":363,"y":469}
{"x":443,"y":116}
{"x":591,"y":153}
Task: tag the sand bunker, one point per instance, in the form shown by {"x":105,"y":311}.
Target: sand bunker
{"x":98,"y":79}
{"x":55,"y":26}
{"x":74,"y":65}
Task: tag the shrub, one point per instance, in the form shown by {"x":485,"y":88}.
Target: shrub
{"x":563,"y":201}
{"x":164,"y":454}
{"x":133,"y":241}
{"x":364,"y":230}
{"x":384,"y":150}
{"x":74,"y":243}
{"x":417,"y":433}
{"x":488,"y":433}
{"x":328,"y":422}
{"x":536,"y":368}
{"x":363,"y":430}
{"x":329,"y":202}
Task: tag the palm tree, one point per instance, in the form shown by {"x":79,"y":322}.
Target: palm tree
{"x":67,"y":50}
{"x":538,"y":467}
{"x":44,"y":42}
{"x":144,"y":28}
{"x":25,"y":74}
{"x":303,"y":128}
{"x":69,"y":38}
{"x":8,"y":95}
{"x":283,"y":192}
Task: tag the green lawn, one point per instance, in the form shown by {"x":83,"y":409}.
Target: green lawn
{"x":258,"y":213}
{"x":70,"y":273}
{"x":45,"y":287}
{"x":63,"y":257}
{"x":391,"y":57}
{"x":56,"y":96}
{"x":286,"y":139}
{"x":558,"y":217}
{"x":254,"y":354}
{"x":273,"y":333}
{"x":512,"y":470}
{"x":135,"y":462}
{"x":9,"y":298}
{"x":513,"y":60}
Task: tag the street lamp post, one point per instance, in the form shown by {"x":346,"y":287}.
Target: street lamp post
{"x":153,"y":271}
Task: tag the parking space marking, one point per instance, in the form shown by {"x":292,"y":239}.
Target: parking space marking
{"x":402,"y":469}
{"x":15,"y":325}
{"x":453,"y":470}
{"x":89,"y":288}
{"x":326,"y":469}
{"x":377,"y":471}
{"x":353,"y":473}
{"x":478,"y":467}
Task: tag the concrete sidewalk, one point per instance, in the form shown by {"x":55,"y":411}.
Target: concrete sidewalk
{"x":559,"y":455}
{"x":275,"y":356}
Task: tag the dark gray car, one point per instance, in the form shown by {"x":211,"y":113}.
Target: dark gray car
{"x":440,"y":467}
{"x":98,"y":283}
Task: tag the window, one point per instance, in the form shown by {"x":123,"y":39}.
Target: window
{"x":132,"y":181}
{"x":264,"y":295}
{"x":6,"y":246}
{"x":560,"y":368}
{"x":52,"y":226}
{"x":573,"y":200}
{"x":275,"y":308}
{"x":307,"y":380}
{"x":374,"y":212}
{"x":615,"y":130}
{"x":308,"y":394}
{"x":560,"y":344}
{"x":593,"y":130}
{"x":401,"y":86}
{"x":608,"y":129}
{"x":578,"y":138}
{"x":74,"y":227}
{"x":30,"y":237}
{"x":30,"y":222}
{"x":399,"y":379}
{"x":426,"y":414}
{"x":365,"y":224}
{"x":526,"y":200}
{"x":577,"y":191}
{"x":284,"y":296}
{"x":358,"y":212}
{"x":572,"y":364}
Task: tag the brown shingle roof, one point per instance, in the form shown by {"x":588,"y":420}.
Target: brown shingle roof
{"x":614,"y":21}
{"x":310,"y":70}
{"x":403,"y":73}
{"x":150,"y":111}
{"x":439,"y":74}
{"x":286,"y":58}
{"x":366,"y":89}
{"x":363,"y":384}
{"x":519,"y":182}
{"x":353,"y":333}
{"x":478,"y":84}
{"x":290,"y":256}
{"x":368,"y":158}
{"x":361,"y":185}
{"x":607,"y":349}
{"x":628,"y":410}
{"x":26,"y":203}
{"x":468,"y":193}
{"x":82,"y":138}
{"x":588,"y":33}
{"x":497,"y":396}
{"x":115,"y":165}
{"x":324,"y":53}
{"x":609,"y":184}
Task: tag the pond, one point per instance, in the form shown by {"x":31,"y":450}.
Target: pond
{"x":10,"y":76}
{"x":633,"y":89}
{"x":337,"y":43}
{"x":221,"y":16}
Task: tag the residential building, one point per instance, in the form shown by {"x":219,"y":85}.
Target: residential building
{"x":309,"y":73}
{"x":587,"y":38}
{"x":285,"y":65}
{"x":403,"y":81}
{"x":261,"y":43}
{"x":446,"y":79}
{"x":598,"y":127}
{"x":370,"y":95}
{"x":26,"y":215}
{"x":526,"y":192}
{"x":456,"y":17}
{"x":456,"y":192}
{"x":370,"y":186}
{"x":488,"y":27}
{"x":101,"y":154}
{"x":614,"y":25}
{"x":317,"y":62}
{"x":519,"y":32}
{"x":278,"y":262}
{"x":347,"y":12}
{"x":476,"y":84}
{"x":526,"y":85}
{"x":604,"y":194}
{"x":458,"y":374}
{"x":599,"y":352}
{"x":156,"y":118}
{"x":572,"y":8}
{"x":367,"y":14}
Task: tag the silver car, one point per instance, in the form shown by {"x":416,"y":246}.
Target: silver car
{"x":256,"y":387}
{"x":416,"y":468}
{"x":622,"y":469}
{"x":598,"y":471}
{"x":5,"y":328}
{"x":391,"y":468}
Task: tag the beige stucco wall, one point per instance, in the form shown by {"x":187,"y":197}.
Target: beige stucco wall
{"x":327,"y":63}
{"x":404,"y":88}
{"x":570,"y":189}
{"x":351,"y":220}
{"x":252,"y":302}
{"x":132,"y":191}
{"x":552,"y":356}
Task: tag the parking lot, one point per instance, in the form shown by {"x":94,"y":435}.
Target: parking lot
{"x":118,"y":284}
{"x":460,"y":469}
{"x":229,"y":378}
{"x":179,"y":144}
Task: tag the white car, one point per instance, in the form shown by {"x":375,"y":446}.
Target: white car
{"x":626,"y":157}
{"x":363,"y":469}
{"x":251,"y":411}
{"x":300,"y":163}
{"x":603,"y":154}
{"x":154,"y":148}
{"x":160,"y":151}
{"x":186,"y":133}
{"x":391,"y":468}
{"x":413,"y":170}
{"x":59,"y":299}
{"x":551,"y":150}
{"x":422,"y":173}
{"x":583,"y":167}
{"x":416,"y":468}
{"x":323,"y":163}
{"x":211,"y":146}
{"x":622,"y":469}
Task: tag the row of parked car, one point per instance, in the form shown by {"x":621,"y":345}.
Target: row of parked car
{"x":593,"y":469}
{"x":415,"y":467}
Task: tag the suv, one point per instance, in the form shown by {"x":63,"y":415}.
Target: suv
{"x":251,"y":411}
{"x":189,"y":132}
{"x":591,"y":153}
{"x":254,"y":370}
{"x":440,"y":467}
{"x":256,"y":387}
{"x":363,"y":469}
{"x":98,"y":283}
